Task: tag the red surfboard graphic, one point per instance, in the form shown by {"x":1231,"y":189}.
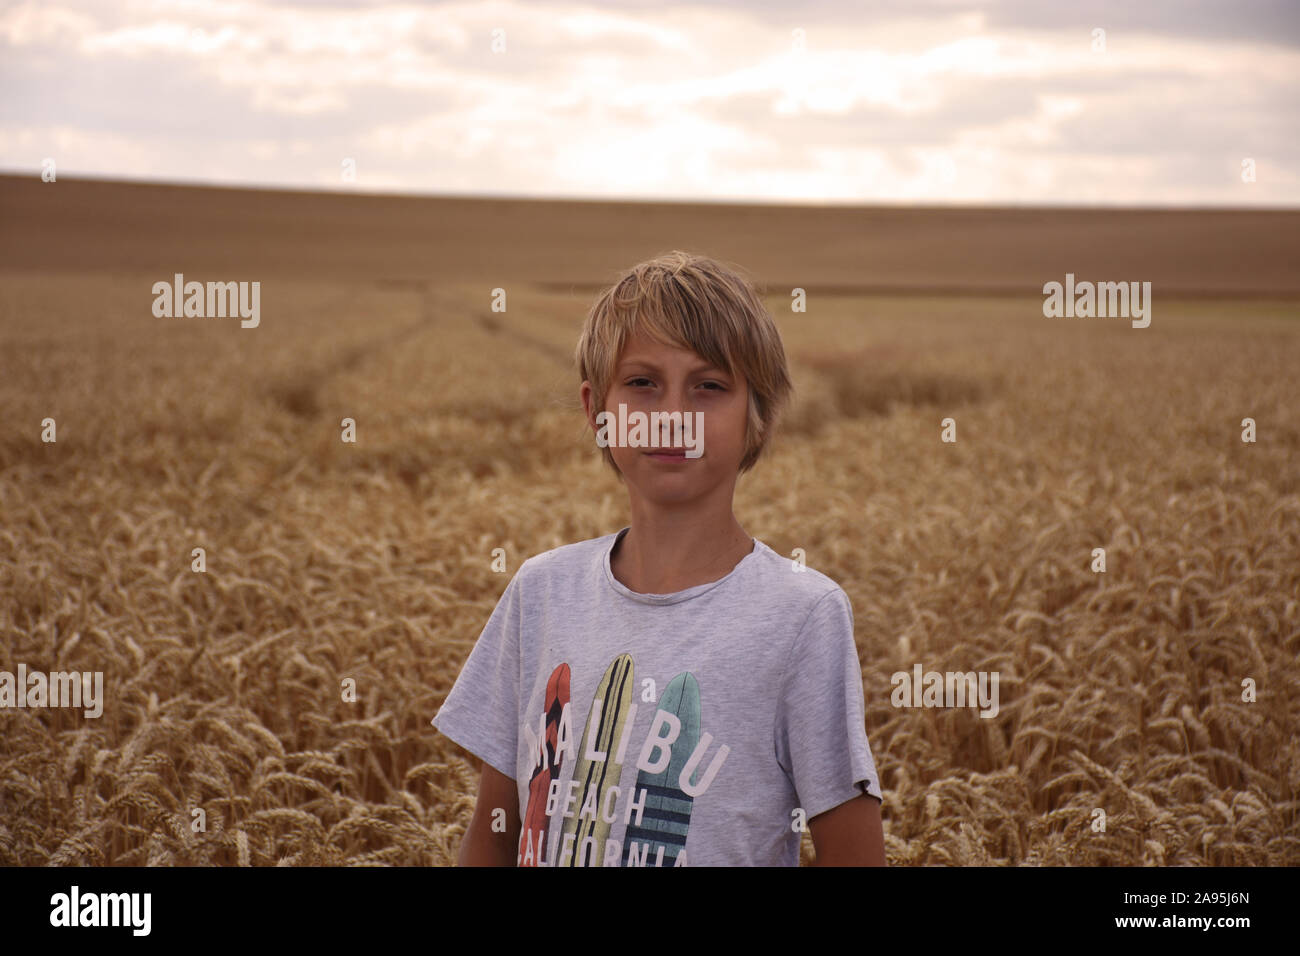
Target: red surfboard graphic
{"x":535,"y":820}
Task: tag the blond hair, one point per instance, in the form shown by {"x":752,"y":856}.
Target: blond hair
{"x":701,"y":304}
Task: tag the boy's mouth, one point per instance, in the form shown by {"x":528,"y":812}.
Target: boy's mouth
{"x":668,"y":454}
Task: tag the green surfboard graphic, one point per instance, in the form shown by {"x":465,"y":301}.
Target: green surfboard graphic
{"x":614,"y":694}
{"x":667,"y":813}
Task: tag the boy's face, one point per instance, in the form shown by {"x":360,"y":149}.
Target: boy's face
{"x":653,"y":377}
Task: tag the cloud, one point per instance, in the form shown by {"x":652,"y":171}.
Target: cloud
{"x":935,"y":100}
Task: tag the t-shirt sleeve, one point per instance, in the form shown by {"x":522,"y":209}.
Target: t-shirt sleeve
{"x":821,"y":737}
{"x":481,"y":712}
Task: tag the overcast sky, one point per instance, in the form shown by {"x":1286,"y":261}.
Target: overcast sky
{"x":933,"y":101}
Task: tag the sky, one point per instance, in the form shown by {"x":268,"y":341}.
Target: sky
{"x":1148,"y":103}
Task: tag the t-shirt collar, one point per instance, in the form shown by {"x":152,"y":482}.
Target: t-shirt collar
{"x":677,"y":596}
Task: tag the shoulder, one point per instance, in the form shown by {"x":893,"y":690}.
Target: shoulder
{"x":564,"y":561}
{"x":794,"y":583}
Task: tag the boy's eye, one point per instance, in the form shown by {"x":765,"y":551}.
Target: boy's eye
{"x":641,"y":380}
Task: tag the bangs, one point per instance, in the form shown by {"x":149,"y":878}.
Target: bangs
{"x":670,"y":312}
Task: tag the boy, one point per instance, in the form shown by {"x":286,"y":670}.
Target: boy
{"x":676,"y":693}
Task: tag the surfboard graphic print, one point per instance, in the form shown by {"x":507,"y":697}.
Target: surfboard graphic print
{"x":614,"y":697}
{"x":535,"y":819}
{"x":667,"y":813}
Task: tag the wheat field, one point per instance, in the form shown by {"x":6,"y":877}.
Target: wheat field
{"x":1120,"y":691}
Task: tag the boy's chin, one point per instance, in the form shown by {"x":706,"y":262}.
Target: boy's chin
{"x":673,"y":485}
{"x":656,"y":494}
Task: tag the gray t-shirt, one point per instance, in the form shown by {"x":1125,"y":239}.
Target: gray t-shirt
{"x":666,"y":729}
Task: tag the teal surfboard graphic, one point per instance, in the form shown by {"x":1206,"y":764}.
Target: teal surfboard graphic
{"x":667,"y":814}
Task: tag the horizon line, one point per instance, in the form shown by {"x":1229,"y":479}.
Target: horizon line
{"x":391,"y":193}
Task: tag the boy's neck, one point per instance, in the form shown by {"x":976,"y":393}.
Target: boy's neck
{"x":667,"y":555}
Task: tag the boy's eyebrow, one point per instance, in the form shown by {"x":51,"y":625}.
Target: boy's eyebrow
{"x":702,"y":366}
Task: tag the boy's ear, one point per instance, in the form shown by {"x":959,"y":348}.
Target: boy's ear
{"x":586,"y":395}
